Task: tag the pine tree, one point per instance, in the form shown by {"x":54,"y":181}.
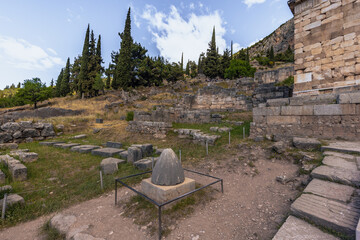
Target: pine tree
{"x":225,"y":62}
{"x":271,"y":54}
{"x":247,"y":55}
{"x":58,"y":84}
{"x":84,"y":71}
{"x":92,"y":66}
{"x":231,"y":50}
{"x":65,"y":82}
{"x":108,"y":79}
{"x":75,"y":73}
{"x":211,"y":68}
{"x":19,"y":84}
{"x":51,"y":83}
{"x":123,"y":69}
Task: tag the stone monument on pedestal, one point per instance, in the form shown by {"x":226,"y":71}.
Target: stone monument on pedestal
{"x":167,"y":181}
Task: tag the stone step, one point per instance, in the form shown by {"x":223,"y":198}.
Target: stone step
{"x":345,"y":147}
{"x":297,"y":229}
{"x":330,"y":190}
{"x":340,"y":175}
{"x":338,"y":162}
{"x":341,"y":155}
{"x":340,"y":217}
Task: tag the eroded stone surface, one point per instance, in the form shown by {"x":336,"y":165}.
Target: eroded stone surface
{"x":340,"y":162}
{"x":13,"y":199}
{"x":344,"y":176}
{"x":330,"y":214}
{"x":114,"y":144}
{"x":134,"y":154}
{"x":110,"y":165}
{"x":28,"y":156}
{"x":346,"y":147}
{"x":297,"y":229}
{"x":62,"y":222}
{"x":306,"y":143}
{"x":168,"y":170}
{"x":330,"y":190}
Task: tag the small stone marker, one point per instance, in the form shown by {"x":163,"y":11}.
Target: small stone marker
{"x":145,"y":163}
{"x":13,"y":199}
{"x":2,"y":177}
{"x":124,"y":155}
{"x":106,"y":152}
{"x":110,"y":165}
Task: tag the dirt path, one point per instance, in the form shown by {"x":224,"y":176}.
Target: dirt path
{"x":252,"y":207}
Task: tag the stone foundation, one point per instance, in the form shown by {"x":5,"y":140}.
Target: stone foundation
{"x":324,"y":117}
{"x":162,"y":194}
{"x":148,"y":127}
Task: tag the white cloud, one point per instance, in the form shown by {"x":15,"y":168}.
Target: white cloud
{"x":249,"y":3}
{"x":173,"y":34}
{"x":192,"y":6}
{"x":236,"y":47}
{"x":52,"y":51}
{"x":201,"y":5}
{"x":21,"y":54}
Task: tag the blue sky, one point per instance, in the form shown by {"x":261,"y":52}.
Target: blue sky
{"x":37,"y":36}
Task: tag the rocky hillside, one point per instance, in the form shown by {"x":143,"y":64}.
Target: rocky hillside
{"x":280,"y":39}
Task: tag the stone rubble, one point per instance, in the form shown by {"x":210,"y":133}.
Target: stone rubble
{"x":198,"y":136}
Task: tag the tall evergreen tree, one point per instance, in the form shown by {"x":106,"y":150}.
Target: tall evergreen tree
{"x":99,"y":59}
{"x":182,"y":62}
{"x":65,"y":83}
{"x":231,"y":50}
{"x":51,"y":83}
{"x":19,"y":84}
{"x":58,"y":84}
{"x":122,"y":76}
{"x":75,"y":73}
{"x":211,"y":68}
{"x":187,"y":70}
{"x":83,"y":85}
{"x":92,"y":66}
{"x":225,"y":62}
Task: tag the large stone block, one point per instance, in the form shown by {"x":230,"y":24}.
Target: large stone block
{"x":306,"y":110}
{"x":334,"y":109}
{"x":306,"y":143}
{"x":106,"y":152}
{"x":10,"y":127}
{"x":349,"y":98}
{"x":278,"y":120}
{"x":13,"y":199}
{"x":267,"y":111}
{"x":162,"y":194}
{"x":18,"y":172}
{"x":114,"y":144}
{"x":5,"y":137}
{"x":2,"y":177}
{"x":277,"y":102}
{"x":28,"y":156}
{"x":147,"y":150}
{"x":134,"y":154}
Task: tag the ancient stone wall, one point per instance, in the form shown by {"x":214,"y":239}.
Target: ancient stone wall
{"x":327,"y":45}
{"x":273,"y":76}
{"x":149,"y":127}
{"x":268,"y":91}
{"x":324,"y":116}
{"x":178,"y":115}
{"x":25,"y":131}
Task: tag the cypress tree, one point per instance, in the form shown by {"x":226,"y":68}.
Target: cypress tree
{"x":232,"y":49}
{"x":92,"y":66}
{"x":19,"y":84}
{"x":225,"y":62}
{"x":271,"y":54}
{"x":182,"y":62}
{"x":123,"y":67}
{"x":99,"y":59}
{"x":84,"y":71}
{"x":187,"y":71}
{"x":58,"y":84}
{"x":74,"y":77}
{"x":51,"y":83}
{"x":211,"y":68}
{"x":65,"y":83}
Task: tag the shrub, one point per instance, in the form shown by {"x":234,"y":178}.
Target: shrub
{"x":130,"y":116}
{"x":287,"y":82}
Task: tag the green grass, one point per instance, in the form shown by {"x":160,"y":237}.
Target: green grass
{"x":51,"y":233}
{"x":58,"y":179}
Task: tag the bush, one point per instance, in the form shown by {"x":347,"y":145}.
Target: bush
{"x":287,"y":82}
{"x":239,"y":68}
{"x":130,"y":116}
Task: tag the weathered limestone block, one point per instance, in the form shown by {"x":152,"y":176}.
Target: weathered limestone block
{"x":28,"y":156}
{"x":5,"y":137}
{"x":334,"y":109}
{"x":48,"y":130}
{"x":106,"y":152}
{"x":10,"y":127}
{"x":114,"y":144}
{"x":277,"y":102}
{"x":18,"y":172}
{"x":30,"y":132}
{"x":276,"y":120}
{"x":110,"y":165}
{"x":134,"y":154}
{"x":62,"y":222}
{"x":123,"y":155}
{"x":5,"y":146}
{"x":26,"y":124}
{"x":145,"y":163}
{"x":306,"y":143}
{"x":297,"y":110}
{"x":349,"y":98}
{"x":268,"y":111}
{"x":13,"y":199}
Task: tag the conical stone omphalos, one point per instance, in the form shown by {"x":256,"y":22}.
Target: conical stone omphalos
{"x":168,"y":170}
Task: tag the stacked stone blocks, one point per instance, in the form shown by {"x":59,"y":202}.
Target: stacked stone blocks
{"x":324,"y":117}
{"x":327,"y":45}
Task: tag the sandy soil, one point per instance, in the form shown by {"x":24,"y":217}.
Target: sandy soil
{"x":253,"y":205}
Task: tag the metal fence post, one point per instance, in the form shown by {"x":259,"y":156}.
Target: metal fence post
{"x":101,"y":180}
{"x":4,"y":206}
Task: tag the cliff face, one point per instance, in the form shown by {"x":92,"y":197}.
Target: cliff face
{"x":280,"y":39}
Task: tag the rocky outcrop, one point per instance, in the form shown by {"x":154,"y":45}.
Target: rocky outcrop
{"x":280,"y":40}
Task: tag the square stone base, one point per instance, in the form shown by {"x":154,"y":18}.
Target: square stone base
{"x":162,"y":194}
